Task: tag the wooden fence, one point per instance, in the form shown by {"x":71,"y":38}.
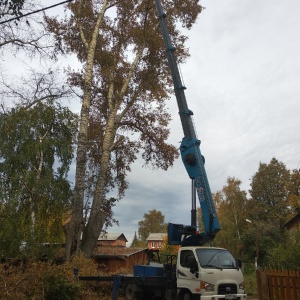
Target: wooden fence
{"x":278,"y":285}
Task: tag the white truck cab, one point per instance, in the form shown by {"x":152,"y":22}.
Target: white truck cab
{"x":208,"y":273}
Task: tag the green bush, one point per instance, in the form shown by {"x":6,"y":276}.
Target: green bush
{"x":250,"y":284}
{"x":58,"y":288}
{"x":285,"y":256}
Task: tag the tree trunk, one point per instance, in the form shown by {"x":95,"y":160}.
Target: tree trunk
{"x":74,"y":227}
{"x":96,"y":218}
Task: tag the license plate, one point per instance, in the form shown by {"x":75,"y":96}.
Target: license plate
{"x":227,"y":297}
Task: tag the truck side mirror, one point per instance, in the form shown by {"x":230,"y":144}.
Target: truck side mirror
{"x":194,"y":269}
{"x":192,"y":264}
{"x":239,"y":263}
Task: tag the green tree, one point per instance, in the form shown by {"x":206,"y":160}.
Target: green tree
{"x":136,"y":243}
{"x":293,"y":188}
{"x":11,"y":235}
{"x":267,"y":209}
{"x":124,"y":84}
{"x":231,"y":211}
{"x":36,"y":150}
{"x":269,"y":193}
{"x":259,"y":238}
{"x":153,"y":222}
{"x":286,"y":256}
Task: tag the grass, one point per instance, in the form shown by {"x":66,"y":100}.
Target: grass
{"x":250,"y":281}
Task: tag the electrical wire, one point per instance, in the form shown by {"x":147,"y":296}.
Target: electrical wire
{"x":34,"y":12}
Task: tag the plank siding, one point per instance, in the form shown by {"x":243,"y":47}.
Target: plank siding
{"x":278,"y":285}
{"x":110,"y":260}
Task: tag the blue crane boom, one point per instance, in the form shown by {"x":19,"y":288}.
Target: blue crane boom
{"x":191,"y":157}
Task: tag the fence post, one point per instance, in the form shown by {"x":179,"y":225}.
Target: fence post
{"x":262,"y":285}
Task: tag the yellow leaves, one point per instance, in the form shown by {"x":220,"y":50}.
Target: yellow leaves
{"x":169,"y":249}
{"x":125,"y":83}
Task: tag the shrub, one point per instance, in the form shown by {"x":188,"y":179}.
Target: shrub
{"x":286,"y":256}
{"x":58,"y":288}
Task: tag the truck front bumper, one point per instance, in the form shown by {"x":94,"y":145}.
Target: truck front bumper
{"x":226,"y":297}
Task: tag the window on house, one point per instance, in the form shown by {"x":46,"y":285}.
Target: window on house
{"x":152,"y":245}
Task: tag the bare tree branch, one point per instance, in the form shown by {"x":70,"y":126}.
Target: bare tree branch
{"x":35,"y":87}
{"x":28,"y":35}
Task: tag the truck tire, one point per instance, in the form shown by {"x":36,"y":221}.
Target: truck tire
{"x":184,"y":294}
{"x":130,"y":293}
{"x":187,"y":296}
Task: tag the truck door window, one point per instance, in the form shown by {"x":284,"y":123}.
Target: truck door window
{"x":187,"y":258}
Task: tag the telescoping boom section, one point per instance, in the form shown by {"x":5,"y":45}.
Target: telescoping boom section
{"x":191,"y":156}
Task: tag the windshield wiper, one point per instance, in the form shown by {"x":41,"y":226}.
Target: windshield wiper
{"x":212,"y":266}
{"x":230,"y":267}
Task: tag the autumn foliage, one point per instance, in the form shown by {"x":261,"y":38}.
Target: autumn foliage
{"x":21,"y":279}
{"x":123,"y":86}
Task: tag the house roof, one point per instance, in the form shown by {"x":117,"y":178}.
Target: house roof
{"x":292,"y":220}
{"x":118,"y":252}
{"x":156,"y":237}
{"x":104,"y":236}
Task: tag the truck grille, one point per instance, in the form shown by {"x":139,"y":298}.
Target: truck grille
{"x":227,"y":288}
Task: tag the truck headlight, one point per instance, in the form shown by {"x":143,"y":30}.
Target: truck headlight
{"x":242,"y":286}
{"x":208,"y":287}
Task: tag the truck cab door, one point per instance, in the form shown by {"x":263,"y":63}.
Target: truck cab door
{"x":187,"y":268}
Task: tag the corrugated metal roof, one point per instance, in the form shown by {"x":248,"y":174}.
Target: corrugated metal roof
{"x":156,"y":237}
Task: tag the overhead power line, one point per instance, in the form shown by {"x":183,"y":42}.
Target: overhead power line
{"x":34,"y":12}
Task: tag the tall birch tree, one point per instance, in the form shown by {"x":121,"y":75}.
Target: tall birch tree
{"x":124,"y":84}
{"x":35,"y":155}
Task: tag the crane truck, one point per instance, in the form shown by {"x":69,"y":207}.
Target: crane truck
{"x":200,"y":272}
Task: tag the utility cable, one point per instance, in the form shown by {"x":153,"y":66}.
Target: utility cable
{"x":33,"y":12}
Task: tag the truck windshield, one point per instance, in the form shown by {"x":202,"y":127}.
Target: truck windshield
{"x":216,"y":258}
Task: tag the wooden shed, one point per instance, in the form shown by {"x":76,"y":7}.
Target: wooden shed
{"x":115,"y":259}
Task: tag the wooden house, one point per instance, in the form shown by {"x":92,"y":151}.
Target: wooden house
{"x":155,"y":240}
{"x":116,"y":259}
{"x":111,"y":254}
{"x":112,"y":239}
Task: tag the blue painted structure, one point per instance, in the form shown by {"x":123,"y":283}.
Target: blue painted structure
{"x":191,"y":157}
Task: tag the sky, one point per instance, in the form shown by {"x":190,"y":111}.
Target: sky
{"x":243,"y":85}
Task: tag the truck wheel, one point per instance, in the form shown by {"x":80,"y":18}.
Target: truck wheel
{"x":130,"y":292}
{"x":187,"y":296}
